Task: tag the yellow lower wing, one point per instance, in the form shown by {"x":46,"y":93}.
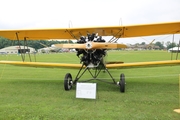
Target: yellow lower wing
{"x":109,"y":66}
{"x":42,"y":64}
{"x":144,"y":64}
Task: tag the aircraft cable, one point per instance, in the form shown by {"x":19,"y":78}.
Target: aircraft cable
{"x":113,"y":37}
{"x":2,"y":71}
{"x":72,"y":35}
{"x":19,"y":46}
{"x":80,"y":34}
{"x":26,"y":43}
{"x":172,"y":47}
{"x":117,"y":33}
{"x":116,"y":39}
{"x":178,"y":50}
{"x":4,"y":67}
{"x":24,"y":50}
{"x":34,"y":55}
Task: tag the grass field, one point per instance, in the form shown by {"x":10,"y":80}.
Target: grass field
{"x":31,"y":93}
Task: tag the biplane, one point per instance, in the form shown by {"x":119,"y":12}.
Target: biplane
{"x":91,"y":48}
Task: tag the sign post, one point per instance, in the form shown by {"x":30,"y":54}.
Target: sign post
{"x":86,"y":90}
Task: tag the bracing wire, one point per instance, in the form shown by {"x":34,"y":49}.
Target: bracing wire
{"x":178,"y":50}
{"x":115,"y":39}
{"x":4,"y":67}
{"x":172,"y":47}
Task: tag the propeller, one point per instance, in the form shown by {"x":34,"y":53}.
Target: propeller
{"x":92,"y":45}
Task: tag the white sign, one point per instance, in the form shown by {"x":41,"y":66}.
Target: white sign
{"x":86,"y":90}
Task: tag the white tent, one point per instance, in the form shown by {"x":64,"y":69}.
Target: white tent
{"x":174,"y":49}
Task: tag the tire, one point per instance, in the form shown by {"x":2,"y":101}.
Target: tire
{"x":122,"y":83}
{"x":68,"y":82}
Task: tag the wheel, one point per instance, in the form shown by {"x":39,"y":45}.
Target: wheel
{"x":122,"y":83}
{"x":68,"y":82}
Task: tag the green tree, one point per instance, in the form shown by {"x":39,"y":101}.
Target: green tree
{"x":170,"y":45}
{"x":31,"y":43}
{"x":143,"y":43}
{"x":161,"y":46}
{"x":4,"y":42}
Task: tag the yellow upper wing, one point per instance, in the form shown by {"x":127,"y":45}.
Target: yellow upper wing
{"x":75,"y":33}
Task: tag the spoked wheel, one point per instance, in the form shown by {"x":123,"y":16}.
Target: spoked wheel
{"x":68,"y":82}
{"x":122,"y":83}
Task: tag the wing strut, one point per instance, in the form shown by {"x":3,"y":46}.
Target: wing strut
{"x":113,"y":39}
{"x":23,"y":51}
{"x":178,"y":50}
{"x":26,"y":44}
{"x":72,"y":34}
{"x":23,"y":57}
{"x":172,"y":47}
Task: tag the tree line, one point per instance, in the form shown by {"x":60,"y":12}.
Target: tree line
{"x":37,"y":44}
{"x":162,"y":45}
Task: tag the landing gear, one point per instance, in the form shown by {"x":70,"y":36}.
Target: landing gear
{"x":68,"y":82}
{"x":122,"y":83}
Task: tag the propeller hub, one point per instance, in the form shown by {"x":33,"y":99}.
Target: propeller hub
{"x":89,"y":45}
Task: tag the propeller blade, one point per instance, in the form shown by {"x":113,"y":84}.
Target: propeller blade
{"x":92,"y":45}
{"x":79,"y":46}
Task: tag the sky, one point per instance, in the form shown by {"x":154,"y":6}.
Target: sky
{"x":26,"y":14}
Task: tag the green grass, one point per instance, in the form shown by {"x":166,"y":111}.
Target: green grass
{"x":38,"y":93}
